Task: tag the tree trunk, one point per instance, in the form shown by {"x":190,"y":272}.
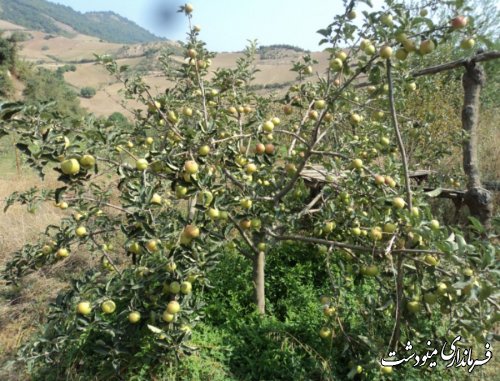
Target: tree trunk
{"x":477,"y":198}
{"x":258,"y":282}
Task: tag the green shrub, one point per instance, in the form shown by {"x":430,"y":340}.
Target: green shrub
{"x":87,"y":92}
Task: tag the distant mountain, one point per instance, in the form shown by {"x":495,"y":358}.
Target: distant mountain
{"x":45,"y":16}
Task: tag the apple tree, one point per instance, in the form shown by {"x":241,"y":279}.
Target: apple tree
{"x":209,"y":164}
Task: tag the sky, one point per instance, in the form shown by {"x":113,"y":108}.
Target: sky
{"x":227,"y":25}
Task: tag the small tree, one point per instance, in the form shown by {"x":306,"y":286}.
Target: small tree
{"x":87,"y":92}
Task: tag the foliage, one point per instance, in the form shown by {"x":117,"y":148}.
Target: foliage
{"x":43,"y":85}
{"x":42,"y":15}
{"x":87,"y":92}
{"x":209,"y":187}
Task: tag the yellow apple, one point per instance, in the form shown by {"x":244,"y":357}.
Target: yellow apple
{"x":84,"y":308}
{"x":134,"y":317}
{"x":108,"y":306}
{"x":173,"y":307}
{"x":70,"y":167}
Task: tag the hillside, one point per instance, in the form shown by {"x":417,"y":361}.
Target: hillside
{"x":47,"y":17}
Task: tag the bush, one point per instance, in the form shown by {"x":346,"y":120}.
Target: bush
{"x":87,"y":92}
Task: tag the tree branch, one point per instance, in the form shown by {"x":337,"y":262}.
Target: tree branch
{"x":486,"y":56}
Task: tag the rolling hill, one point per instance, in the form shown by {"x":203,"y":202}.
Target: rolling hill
{"x":67,"y":37}
{"x":44,"y":16}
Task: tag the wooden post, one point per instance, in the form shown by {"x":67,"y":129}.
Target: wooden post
{"x":477,"y":198}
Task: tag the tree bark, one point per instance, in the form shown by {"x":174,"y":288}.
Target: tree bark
{"x":258,"y":282}
{"x":477,"y":198}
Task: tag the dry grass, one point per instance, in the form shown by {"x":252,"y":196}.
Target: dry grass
{"x":23,"y":307}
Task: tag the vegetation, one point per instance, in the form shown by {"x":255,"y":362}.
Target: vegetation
{"x":87,"y":92}
{"x":229,"y":235}
{"x":41,"y":14}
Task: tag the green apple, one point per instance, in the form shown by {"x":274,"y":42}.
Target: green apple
{"x":152,"y":245}
{"x":171,"y":267}
{"x":213,"y":213}
{"x":70,"y":167}
{"x":108,"y":306}
{"x":376,"y":233}
{"x":62,"y":253}
{"x":385,"y":52}
{"x":81,"y":231}
{"x":423,"y":12}
{"x":186,"y":287}
{"x":149,"y":140}
{"x":47,"y":249}
{"x":87,"y":161}
{"x":379,"y":179}
{"x":134,"y":317}
{"x":415,"y":212}
{"x":398,"y":202}
{"x":369,"y":50}
{"x":431,"y":260}
{"x":434,"y":224}
{"x":390,"y":228}
{"x":256,"y":223}
{"x":364,"y":44}
{"x":468,"y":272}
{"x":156,"y":199}
{"x":356,"y":118}
{"x":174,"y":287}
{"x":84,"y":308}
{"x":173,"y":307}
{"x":385,"y":141}
{"x":325,"y":333}
{"x":191,"y":167}
{"x":141,"y":164}
{"x":401,"y":54}
{"x":134,"y":248}
{"x":329,"y":311}
{"x":430,"y":298}
{"x":313,"y":114}
{"x":329,"y":227}
{"x":336,"y":64}
{"x":411,"y":86}
{"x":386,"y":369}
{"x":386,"y":19}
{"x":371,"y":270}
{"x":467,"y":43}
{"x":308,"y":69}
{"x":319,"y":104}
{"x":442,"y":288}
{"x":250,"y":168}
{"x":341,"y":55}
{"x":413,"y":306}
{"x":351,"y":15}
{"x":204,"y":150}
{"x":167,"y":317}
{"x":356,"y":231}
{"x":426,"y":47}
{"x":180,"y":191}
{"x":246,"y":203}
{"x":357,"y":163}
{"x":268,"y":126}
